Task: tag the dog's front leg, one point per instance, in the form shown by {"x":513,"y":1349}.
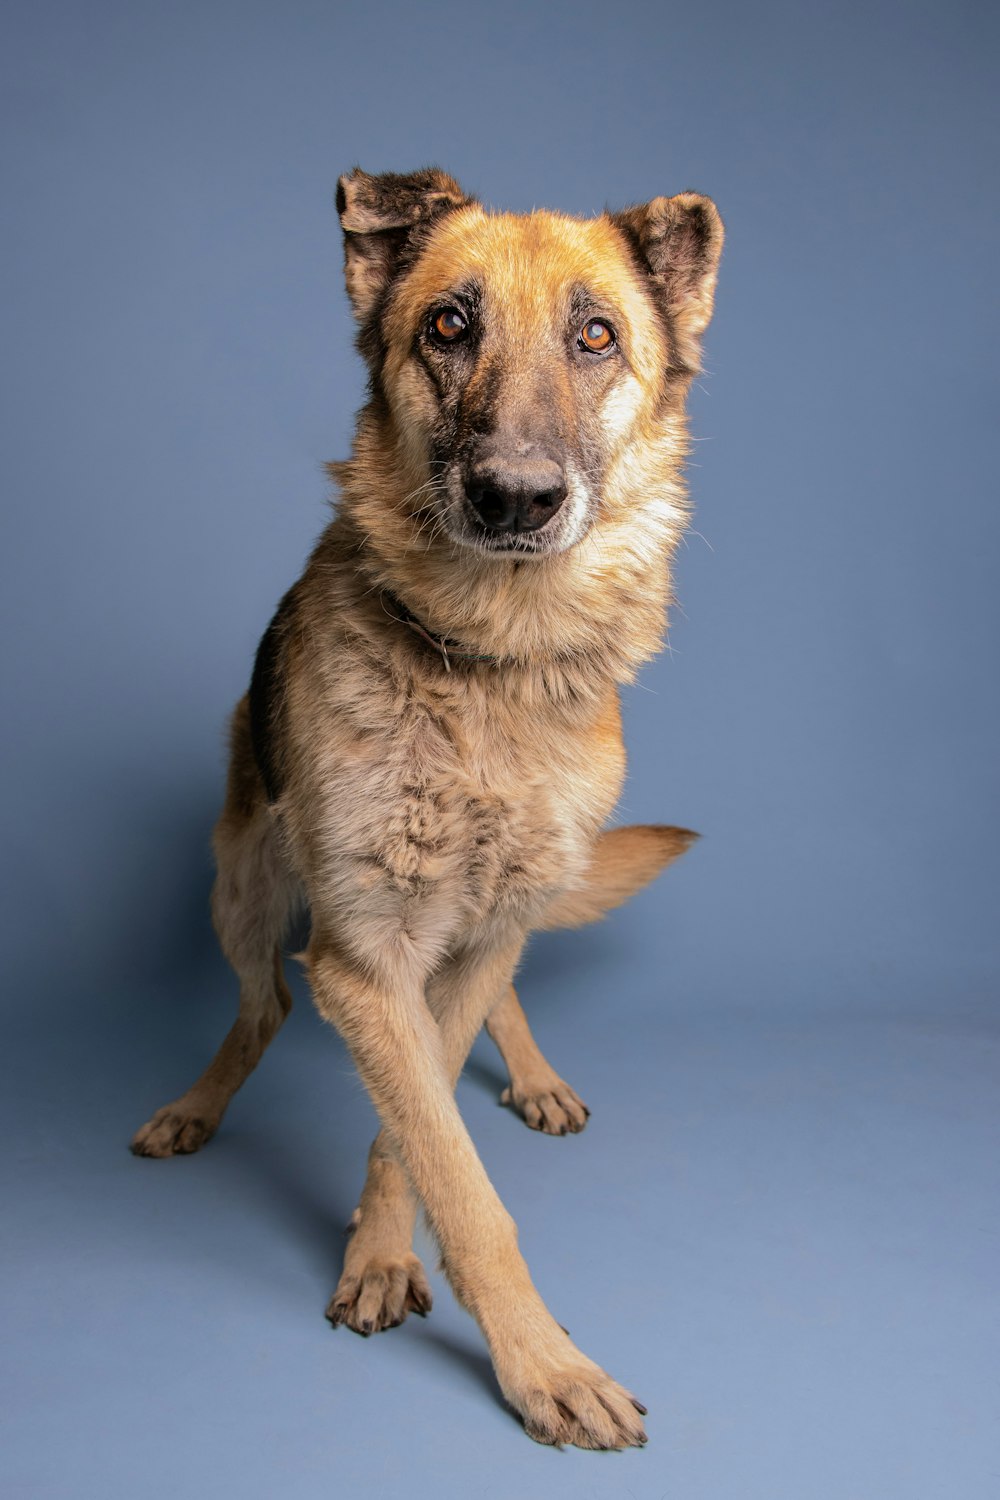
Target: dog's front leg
{"x":382,"y":1279}
{"x":397,"y":1046}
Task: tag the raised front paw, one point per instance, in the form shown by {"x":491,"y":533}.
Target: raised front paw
{"x":547,"y":1103}
{"x":379,"y":1294}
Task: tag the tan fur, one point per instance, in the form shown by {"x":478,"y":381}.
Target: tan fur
{"x":623,"y":861}
{"x":432,"y":818}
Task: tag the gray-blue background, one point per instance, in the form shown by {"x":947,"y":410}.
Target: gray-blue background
{"x":779,"y":1227}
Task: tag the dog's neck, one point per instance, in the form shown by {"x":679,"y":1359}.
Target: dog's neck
{"x":595,"y":612}
{"x":445,"y":647}
{"x":565,"y":625}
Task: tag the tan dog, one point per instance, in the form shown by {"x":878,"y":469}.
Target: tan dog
{"x":432,"y":742}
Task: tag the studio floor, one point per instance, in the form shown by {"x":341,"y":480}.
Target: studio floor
{"x":779,"y":1231}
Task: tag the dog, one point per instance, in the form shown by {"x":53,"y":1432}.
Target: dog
{"x":431,"y":744}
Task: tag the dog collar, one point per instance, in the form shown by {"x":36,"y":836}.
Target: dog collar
{"x":397,"y":610}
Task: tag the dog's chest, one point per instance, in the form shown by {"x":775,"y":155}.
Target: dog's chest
{"x":485,"y":819}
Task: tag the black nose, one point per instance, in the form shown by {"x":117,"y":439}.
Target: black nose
{"x":516,"y":494}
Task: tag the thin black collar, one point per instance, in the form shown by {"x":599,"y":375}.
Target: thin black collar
{"x":398,"y":611}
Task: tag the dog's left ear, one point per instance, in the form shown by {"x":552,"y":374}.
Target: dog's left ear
{"x":378,"y":214}
{"x":680,"y":240}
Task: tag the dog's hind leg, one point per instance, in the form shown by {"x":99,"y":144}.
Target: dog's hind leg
{"x":543,"y":1100}
{"x":624,"y":860}
{"x":252,"y":901}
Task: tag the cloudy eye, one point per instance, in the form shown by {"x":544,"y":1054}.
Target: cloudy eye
{"x":448,"y":325}
{"x":596,"y":336}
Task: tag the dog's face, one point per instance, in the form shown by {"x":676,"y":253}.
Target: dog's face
{"x":520,"y":361}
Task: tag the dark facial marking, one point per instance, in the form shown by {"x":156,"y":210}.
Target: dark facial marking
{"x":455,"y":318}
{"x":448,"y":357}
{"x":587,"y":312}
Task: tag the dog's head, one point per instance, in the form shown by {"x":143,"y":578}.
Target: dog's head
{"x":528,"y":372}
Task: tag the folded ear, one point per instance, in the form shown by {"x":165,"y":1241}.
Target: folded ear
{"x":378,"y":214}
{"x":680,"y":240}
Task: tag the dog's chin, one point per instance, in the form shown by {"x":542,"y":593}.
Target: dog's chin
{"x":520,"y":546}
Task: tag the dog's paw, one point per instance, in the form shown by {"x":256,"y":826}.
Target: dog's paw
{"x":380,"y":1295}
{"x":563,"y":1397}
{"x":587,"y":1413}
{"x":547,"y":1104}
{"x":173,"y":1131}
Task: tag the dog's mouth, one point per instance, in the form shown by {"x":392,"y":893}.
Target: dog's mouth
{"x":521,"y":544}
{"x":497,"y":526}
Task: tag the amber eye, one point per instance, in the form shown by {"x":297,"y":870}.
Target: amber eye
{"x":596,"y":336}
{"x":448,"y":325}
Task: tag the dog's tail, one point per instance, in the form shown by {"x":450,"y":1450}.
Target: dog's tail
{"x":624,"y":860}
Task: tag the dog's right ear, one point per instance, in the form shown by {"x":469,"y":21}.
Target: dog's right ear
{"x":378,"y":215}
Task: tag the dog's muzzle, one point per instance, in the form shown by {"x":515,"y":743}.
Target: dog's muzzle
{"x":517,"y":494}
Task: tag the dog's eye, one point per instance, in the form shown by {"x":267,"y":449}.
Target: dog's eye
{"x":596,"y":336}
{"x":448,"y":325}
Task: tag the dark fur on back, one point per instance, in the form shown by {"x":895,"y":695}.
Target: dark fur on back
{"x":266,"y":699}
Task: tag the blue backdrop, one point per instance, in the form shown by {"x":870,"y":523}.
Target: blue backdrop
{"x":177,"y":366}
